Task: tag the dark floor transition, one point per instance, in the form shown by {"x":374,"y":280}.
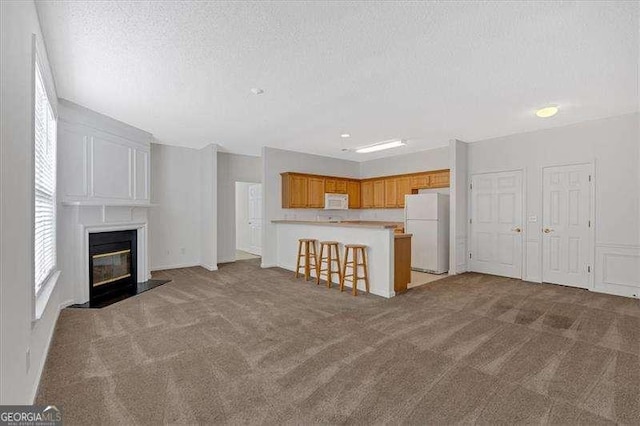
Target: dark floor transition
{"x":252,"y":345}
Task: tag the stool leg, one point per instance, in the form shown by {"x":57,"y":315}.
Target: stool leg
{"x":354,"y":289}
{"x":298,"y":261}
{"x":321,"y":254}
{"x":339,"y":264}
{"x":315,"y":259}
{"x":344,"y":268}
{"x":328,"y":267}
{"x":307,"y":271}
{"x":366,"y":269}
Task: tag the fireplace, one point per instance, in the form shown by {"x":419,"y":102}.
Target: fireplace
{"x":112,"y":263}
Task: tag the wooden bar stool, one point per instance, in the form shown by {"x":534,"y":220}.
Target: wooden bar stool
{"x":333,"y":255}
{"x":309,"y":255}
{"x":354,"y":265}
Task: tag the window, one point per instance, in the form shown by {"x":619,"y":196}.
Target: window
{"x":45,"y":184}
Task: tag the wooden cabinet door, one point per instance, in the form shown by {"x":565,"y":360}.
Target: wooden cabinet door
{"x":439,"y":180}
{"x":330,"y":186}
{"x":390,"y":193}
{"x":353,"y":190}
{"x":420,"y":181}
{"x":316,"y":192}
{"x":298,"y":191}
{"x":367,"y":194}
{"x":403,"y":187}
{"x":378,"y":194}
{"x":341,"y":186}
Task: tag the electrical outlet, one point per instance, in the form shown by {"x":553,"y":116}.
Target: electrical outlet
{"x":28,"y":359}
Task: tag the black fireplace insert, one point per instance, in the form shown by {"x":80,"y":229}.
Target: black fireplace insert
{"x":112,"y":264}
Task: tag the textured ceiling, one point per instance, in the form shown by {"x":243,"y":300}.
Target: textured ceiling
{"x":425,"y":72}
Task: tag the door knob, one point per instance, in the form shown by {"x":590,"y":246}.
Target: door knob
{"x":547,"y":230}
{"x":516,"y":229}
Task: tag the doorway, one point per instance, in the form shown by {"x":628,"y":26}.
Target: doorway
{"x":567,"y":233}
{"x":248,"y":220}
{"x":496,"y":223}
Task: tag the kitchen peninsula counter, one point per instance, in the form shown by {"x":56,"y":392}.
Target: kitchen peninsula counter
{"x":379,"y":236}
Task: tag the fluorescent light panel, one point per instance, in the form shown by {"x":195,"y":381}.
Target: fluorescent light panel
{"x":381,"y":146}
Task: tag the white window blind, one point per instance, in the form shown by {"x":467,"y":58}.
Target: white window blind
{"x":45,"y":184}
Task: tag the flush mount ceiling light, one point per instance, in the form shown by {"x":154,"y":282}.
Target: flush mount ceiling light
{"x":547,"y":112}
{"x":381,"y":146}
{"x":345,"y":135}
{"x":257,"y":91}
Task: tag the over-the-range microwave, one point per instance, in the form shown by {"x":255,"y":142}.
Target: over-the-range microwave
{"x":336,"y":201}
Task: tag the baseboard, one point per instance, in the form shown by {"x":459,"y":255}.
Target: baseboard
{"x":268,"y":265}
{"x":176,"y":266}
{"x":227,"y":260}
{"x":208,"y":267}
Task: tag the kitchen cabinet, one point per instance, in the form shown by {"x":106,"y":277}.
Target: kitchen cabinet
{"x":390,"y":193}
{"x":378,"y":194}
{"x":353,"y":190}
{"x":302,"y":190}
{"x":367,"y":194}
{"x":403,"y":187}
{"x":420,"y":181}
{"x":316,"y":192}
{"x":439,"y":180}
{"x":294,"y":191}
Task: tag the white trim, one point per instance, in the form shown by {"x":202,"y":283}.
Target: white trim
{"x":175,"y":266}
{"x":42,"y":298}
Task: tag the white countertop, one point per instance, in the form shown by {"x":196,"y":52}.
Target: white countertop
{"x":345,"y":223}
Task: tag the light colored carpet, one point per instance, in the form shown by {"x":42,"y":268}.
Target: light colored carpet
{"x":252,"y":345}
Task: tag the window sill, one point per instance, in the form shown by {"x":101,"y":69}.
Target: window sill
{"x":42,"y":299}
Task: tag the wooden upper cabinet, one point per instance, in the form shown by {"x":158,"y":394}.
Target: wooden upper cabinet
{"x":300,"y":190}
{"x":367,"y":194}
{"x":378,"y":194}
{"x":353,"y":190}
{"x":294,"y":191}
{"x":316,"y":192}
{"x":403,"y":187}
{"x":420,"y":181}
{"x":390,"y":193}
{"x":440,"y":180}
{"x":341,"y":186}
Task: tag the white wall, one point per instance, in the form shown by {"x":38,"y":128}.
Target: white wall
{"x":243,"y":230}
{"x":174,"y":220}
{"x":232,"y":168}
{"x":276,"y":161}
{"x":209,"y":207}
{"x":613,"y":145}
{"x":458,"y":204}
{"x":432,"y":159}
{"x":182,"y":219}
{"x":18,"y":334}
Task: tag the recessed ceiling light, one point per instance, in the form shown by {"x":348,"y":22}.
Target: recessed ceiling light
{"x":547,"y":112}
{"x":345,"y":135}
{"x":381,"y":146}
{"x":257,"y":91}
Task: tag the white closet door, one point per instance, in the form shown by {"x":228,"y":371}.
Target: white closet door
{"x":496,"y":228}
{"x":566,"y":237}
{"x":255,"y":218}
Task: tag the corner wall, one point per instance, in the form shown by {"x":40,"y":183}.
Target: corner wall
{"x":23,"y":344}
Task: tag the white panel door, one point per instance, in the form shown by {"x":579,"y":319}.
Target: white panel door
{"x":566,"y":215}
{"x":496,"y":228}
{"x":255,"y":219}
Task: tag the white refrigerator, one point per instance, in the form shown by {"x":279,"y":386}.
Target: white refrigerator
{"x":426,"y":216}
